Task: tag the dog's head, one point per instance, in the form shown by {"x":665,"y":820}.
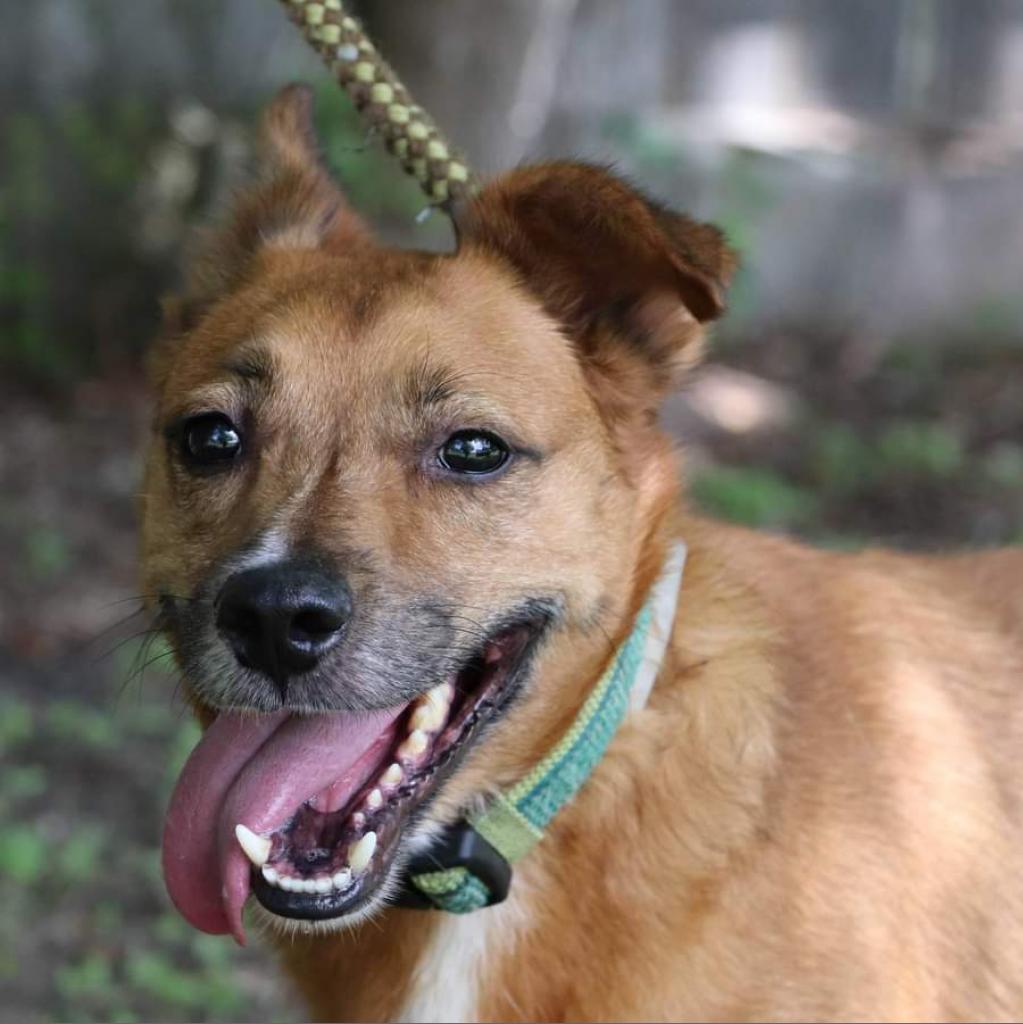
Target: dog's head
{"x":396,"y":503}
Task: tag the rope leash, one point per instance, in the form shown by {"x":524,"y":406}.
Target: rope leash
{"x":381,"y":99}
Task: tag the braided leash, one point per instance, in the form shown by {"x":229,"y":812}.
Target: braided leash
{"x":407,"y":130}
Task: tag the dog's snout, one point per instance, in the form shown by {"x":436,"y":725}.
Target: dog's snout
{"x":281,"y":619}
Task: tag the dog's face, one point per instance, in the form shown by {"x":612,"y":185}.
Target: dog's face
{"x":384,"y":490}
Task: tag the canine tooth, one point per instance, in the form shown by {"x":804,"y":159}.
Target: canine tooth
{"x":375,"y":799}
{"x":256,"y":848}
{"x":360,"y":853}
{"x":323,"y":884}
{"x":393,"y":775}
{"x":342,"y":879}
{"x":415,"y":744}
{"x":270,"y":874}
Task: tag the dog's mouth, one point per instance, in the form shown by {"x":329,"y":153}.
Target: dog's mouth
{"x":319,"y":804}
{"x":338,"y":848}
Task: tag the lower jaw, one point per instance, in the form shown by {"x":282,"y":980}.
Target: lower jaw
{"x":356,"y":886}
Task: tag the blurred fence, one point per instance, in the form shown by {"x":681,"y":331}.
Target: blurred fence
{"x":866,"y":156}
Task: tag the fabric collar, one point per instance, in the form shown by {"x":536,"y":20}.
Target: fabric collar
{"x":470,"y":867}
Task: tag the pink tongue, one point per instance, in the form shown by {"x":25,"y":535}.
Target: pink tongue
{"x":255,"y":770}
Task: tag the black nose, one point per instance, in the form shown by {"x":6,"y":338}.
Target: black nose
{"x":281,"y":619}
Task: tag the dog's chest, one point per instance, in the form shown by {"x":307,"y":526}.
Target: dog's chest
{"x":447,"y":982}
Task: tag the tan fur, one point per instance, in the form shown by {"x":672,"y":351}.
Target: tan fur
{"x":817,"y":816}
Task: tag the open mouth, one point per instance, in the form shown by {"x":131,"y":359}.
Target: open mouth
{"x":319,"y":804}
{"x":337,"y":849}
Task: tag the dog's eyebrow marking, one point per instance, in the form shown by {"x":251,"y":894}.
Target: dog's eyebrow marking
{"x":426,"y":387}
{"x":429,"y":388}
{"x":252,"y":365}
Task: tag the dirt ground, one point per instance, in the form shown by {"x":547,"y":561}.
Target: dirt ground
{"x":920,"y":446}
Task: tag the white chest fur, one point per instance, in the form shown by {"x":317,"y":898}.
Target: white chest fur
{"x":445,"y":985}
{"x":463,"y":951}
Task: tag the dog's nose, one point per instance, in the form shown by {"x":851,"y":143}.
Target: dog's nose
{"x":281,"y":619}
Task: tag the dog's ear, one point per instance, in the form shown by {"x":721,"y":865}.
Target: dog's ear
{"x":293,"y":204}
{"x":624,"y":276}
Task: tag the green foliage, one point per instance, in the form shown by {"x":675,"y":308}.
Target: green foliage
{"x":840,"y":460}
{"x":23,"y":854}
{"x":845,"y":463}
{"x":753,"y":497}
{"x":22,"y":782}
{"x":109,"y":146}
{"x":69,"y":178}
{"x":92,"y":867}
{"x":17,"y":723}
{"x":89,"y":979}
{"x":919,"y":449}
{"x":72,"y":721}
{"x":79,"y":858}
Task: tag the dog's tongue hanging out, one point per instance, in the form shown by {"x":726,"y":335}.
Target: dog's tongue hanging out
{"x":254,"y":770}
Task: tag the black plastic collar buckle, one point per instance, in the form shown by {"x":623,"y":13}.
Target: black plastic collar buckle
{"x":460,"y":846}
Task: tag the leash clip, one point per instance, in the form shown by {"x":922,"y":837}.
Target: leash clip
{"x":460,"y":846}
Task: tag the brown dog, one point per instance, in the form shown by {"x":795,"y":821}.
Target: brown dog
{"x":408,"y":506}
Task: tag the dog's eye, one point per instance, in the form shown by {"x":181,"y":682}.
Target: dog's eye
{"x":210,"y":440}
{"x":473,"y":451}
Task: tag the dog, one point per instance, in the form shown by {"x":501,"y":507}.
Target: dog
{"x":406,"y":515}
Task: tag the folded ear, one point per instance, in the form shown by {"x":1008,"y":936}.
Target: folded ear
{"x":614,"y":267}
{"x":293,"y":204}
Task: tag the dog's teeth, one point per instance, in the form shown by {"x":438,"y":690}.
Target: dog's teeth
{"x":256,"y":848}
{"x":342,"y":879}
{"x":393,"y":775}
{"x":444,"y":693}
{"x":358,"y":820}
{"x":375,"y":799}
{"x":361,"y":852}
{"x":270,"y":874}
{"x":427,"y":717}
{"x":432,"y":708}
{"x":309,"y":886}
{"x":324,"y":884}
{"x":414,"y":746}
{"x":288,"y":884}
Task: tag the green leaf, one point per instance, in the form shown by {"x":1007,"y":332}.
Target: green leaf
{"x":23,"y":854}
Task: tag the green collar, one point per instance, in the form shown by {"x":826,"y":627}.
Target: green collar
{"x":470,"y":868}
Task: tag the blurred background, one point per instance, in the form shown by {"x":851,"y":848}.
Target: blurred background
{"x":867,"y":385}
